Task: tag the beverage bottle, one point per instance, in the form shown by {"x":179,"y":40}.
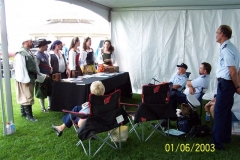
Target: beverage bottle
{"x":12,"y":126}
{"x":8,"y":129}
{"x":207,"y":117}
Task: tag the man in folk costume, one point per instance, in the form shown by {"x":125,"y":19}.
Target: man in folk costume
{"x":43,"y":88}
{"x":25,"y":75}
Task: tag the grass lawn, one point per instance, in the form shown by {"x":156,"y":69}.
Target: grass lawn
{"x":38,"y":141}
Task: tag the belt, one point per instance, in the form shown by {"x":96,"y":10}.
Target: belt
{"x":222,"y":79}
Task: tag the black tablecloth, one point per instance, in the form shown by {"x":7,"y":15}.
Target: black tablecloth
{"x":66,"y":95}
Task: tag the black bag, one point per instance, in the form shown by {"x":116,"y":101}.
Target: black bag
{"x":199,"y":131}
{"x":185,"y":123}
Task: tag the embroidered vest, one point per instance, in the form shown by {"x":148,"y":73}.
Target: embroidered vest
{"x":44,"y":65}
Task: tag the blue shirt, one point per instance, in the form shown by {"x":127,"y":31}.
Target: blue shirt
{"x":179,"y":80}
{"x":229,"y":56}
{"x":202,"y":82}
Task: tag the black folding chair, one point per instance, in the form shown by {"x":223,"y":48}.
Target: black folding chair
{"x":106,"y":115}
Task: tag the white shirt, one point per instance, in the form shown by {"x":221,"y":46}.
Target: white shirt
{"x":83,"y":57}
{"x":61,"y":62}
{"x":72,"y":59}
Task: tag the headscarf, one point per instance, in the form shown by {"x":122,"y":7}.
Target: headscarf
{"x":54,"y":44}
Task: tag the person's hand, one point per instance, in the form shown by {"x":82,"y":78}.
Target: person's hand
{"x":207,"y":107}
{"x":191,"y":90}
{"x":107,"y":60}
{"x":238,"y":91}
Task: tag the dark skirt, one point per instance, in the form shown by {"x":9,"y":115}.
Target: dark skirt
{"x":42,"y":90}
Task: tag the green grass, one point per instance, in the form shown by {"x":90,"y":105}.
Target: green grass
{"x":38,"y":141}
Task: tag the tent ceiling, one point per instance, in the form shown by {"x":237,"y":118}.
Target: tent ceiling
{"x":163,"y":3}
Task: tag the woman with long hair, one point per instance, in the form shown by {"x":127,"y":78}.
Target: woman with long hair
{"x":87,"y":57}
{"x":74,"y":55}
{"x":106,"y":56}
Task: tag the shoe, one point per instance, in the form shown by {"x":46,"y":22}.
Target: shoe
{"x":31,"y":119}
{"x":59,"y":133}
{"x":45,"y":110}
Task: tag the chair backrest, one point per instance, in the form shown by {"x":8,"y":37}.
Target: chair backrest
{"x":188,"y":74}
{"x":103,"y":104}
{"x":155,"y":94}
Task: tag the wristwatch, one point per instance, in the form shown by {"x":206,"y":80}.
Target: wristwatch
{"x":237,"y":87}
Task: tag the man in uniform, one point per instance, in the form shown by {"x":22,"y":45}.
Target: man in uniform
{"x":178,"y":82}
{"x":25,"y":74}
{"x":228,"y":84}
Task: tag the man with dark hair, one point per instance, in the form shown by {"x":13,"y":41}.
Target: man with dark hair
{"x":197,"y":86}
{"x":228,"y":84}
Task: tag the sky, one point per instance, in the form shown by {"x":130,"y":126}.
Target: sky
{"x":22,"y":15}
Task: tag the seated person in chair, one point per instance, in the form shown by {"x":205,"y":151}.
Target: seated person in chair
{"x":209,"y":107}
{"x":178,"y":82}
{"x":96,"y":88}
{"x":195,"y":87}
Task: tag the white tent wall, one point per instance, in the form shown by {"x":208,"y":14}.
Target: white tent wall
{"x":150,"y":43}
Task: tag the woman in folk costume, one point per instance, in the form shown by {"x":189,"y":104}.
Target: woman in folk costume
{"x":87,"y":57}
{"x":73,"y":57}
{"x":106,"y":56}
{"x":57,"y":59}
{"x":43,"y":89}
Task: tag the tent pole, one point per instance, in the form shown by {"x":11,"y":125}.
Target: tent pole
{"x":6,"y":63}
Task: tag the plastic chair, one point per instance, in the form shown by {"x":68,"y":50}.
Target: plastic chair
{"x":106,"y":115}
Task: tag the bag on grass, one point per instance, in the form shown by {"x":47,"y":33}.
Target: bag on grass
{"x":199,"y":131}
{"x":185,"y":123}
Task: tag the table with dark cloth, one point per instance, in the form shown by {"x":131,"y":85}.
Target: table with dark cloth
{"x":66,"y":95}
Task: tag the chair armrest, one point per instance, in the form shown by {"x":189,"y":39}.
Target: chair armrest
{"x":77,"y":114}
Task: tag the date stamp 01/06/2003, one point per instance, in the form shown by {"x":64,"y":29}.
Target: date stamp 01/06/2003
{"x":195,"y":147}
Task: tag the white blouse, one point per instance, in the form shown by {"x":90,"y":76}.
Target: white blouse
{"x":72,"y":59}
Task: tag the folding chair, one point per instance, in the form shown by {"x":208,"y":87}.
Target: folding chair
{"x":153,"y":107}
{"x":105,"y":116}
{"x":201,"y":103}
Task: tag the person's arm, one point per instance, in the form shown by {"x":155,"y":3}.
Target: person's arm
{"x":190,"y":86}
{"x":234,"y":76}
{"x":83,"y":56}
{"x":21,"y":73}
{"x":72,"y":60}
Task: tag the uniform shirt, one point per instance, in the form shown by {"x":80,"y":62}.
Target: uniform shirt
{"x":229,"y":56}
{"x":180,"y":80}
{"x":200,"y":83}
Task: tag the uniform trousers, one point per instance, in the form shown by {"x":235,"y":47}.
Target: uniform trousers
{"x":222,"y":113}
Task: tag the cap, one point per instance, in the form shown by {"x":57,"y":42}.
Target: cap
{"x":26,"y":38}
{"x":192,"y":102}
{"x":183,"y":65}
{"x":42,"y":42}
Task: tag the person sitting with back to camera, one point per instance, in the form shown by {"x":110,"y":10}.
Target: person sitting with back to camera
{"x":97,"y":88}
{"x":195,"y":87}
{"x":87,"y":57}
{"x":106,"y":56}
